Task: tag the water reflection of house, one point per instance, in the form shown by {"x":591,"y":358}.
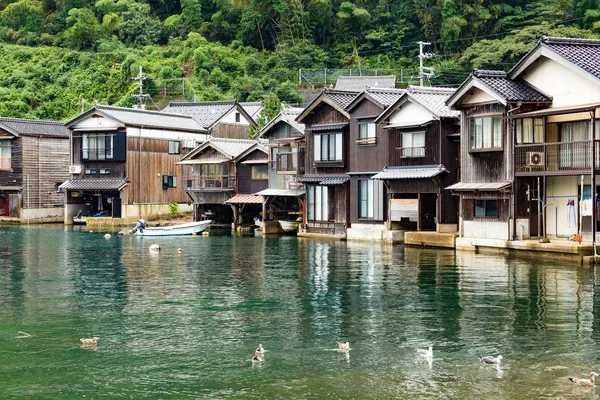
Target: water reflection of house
{"x":283,"y":199}
{"x":224,"y":176}
{"x":124,"y":162}
{"x":34,"y":160}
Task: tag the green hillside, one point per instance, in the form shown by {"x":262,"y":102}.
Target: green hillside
{"x":61,"y":55}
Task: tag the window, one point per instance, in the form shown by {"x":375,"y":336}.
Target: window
{"x":529,"y":130}
{"x":5,"y":154}
{"x":91,"y":171}
{"x":366,"y":133}
{"x":285,"y":162}
{"x":237,"y":117}
{"x":370,"y":199}
{"x":97,"y":146}
{"x":260,"y":172}
{"x":169,"y":181}
{"x":317,"y":204}
{"x":486,"y":208}
{"x":105,"y":171}
{"x":413,"y":144}
{"x":174,"y":146}
{"x":486,"y":133}
{"x":328,"y":147}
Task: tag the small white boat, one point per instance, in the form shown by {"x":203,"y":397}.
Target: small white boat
{"x":289,"y":226}
{"x":79,"y":220}
{"x":175,"y":230}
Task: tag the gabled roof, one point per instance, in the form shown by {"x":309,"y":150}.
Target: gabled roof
{"x":253,"y":108}
{"x":581,"y":55}
{"x":360,"y":83}
{"x":381,"y":97}
{"x":338,"y":99}
{"x":431,"y":98}
{"x":141,"y":118}
{"x":94,"y":184}
{"x":257,"y":146}
{"x":230,"y":148}
{"x":500,"y":87}
{"x":207,"y":113}
{"x":288,"y":116}
{"x":19,"y":126}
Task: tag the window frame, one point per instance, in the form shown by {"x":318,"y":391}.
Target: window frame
{"x":477,"y":140}
{"x":367,"y":133}
{"x":169,"y":181}
{"x":370,"y":199}
{"x":337,"y":150}
{"x":317,"y":204}
{"x":108,"y":147}
{"x":264,"y":174}
{"x":485,"y":207}
{"x":5,"y":165}
{"x":413,"y":153}
{"x":174,"y":147}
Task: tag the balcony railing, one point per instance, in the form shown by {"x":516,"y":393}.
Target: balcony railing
{"x":97,"y":154}
{"x":412,"y":152}
{"x":555,"y":157}
{"x":220,"y":182}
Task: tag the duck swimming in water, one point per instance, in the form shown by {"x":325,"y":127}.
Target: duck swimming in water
{"x":260,"y":349}
{"x":257,"y":358}
{"x":586,"y":382}
{"x":89,"y":342}
{"x":343,"y":346}
{"x":490,"y":359}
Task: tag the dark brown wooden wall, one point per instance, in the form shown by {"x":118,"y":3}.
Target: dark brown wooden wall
{"x":324,"y":114}
{"x":230,"y":131}
{"x":432,"y":146}
{"x":14,"y":178}
{"x":468,"y":205}
{"x":367,"y":158}
{"x":245,"y":182}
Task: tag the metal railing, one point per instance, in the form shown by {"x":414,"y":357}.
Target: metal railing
{"x":222,"y":182}
{"x":412,"y":152}
{"x":97,"y":154}
{"x":555,"y":157}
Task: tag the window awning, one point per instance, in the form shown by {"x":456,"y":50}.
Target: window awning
{"x":409,"y":124}
{"x":479,"y":187}
{"x":426,"y":171}
{"x":10,"y":188}
{"x":204,"y":161}
{"x":556,"y":111}
{"x":281,"y":192}
{"x":245,"y":199}
{"x":94,"y":184}
{"x":252,"y":162}
{"x":326,"y":180}
{"x":328,"y":127}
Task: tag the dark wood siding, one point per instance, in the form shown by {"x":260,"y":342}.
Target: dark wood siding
{"x":432,"y":146}
{"x":324,"y":114}
{"x":245,"y":182}
{"x":230,"y":131}
{"x":468,"y":205}
{"x":367,"y":157}
{"x":14,"y":177}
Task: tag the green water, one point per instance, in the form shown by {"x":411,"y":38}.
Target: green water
{"x":185,"y":325}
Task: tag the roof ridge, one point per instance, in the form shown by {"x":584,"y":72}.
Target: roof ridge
{"x":212,"y":139}
{"x":486,"y":73}
{"x":340,"y":91}
{"x":191,"y":103}
{"x":383,"y":89}
{"x":116,"y":108}
{"x":571,"y":41}
{"x":431,"y":89}
{"x":31,"y":121}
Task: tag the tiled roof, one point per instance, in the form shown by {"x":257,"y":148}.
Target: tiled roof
{"x":584,"y":53}
{"x":205,"y":113}
{"x":94,"y":184}
{"x":26,"y":127}
{"x":325,"y":179}
{"x":281,"y":192}
{"x":245,"y":199}
{"x":385,"y":97}
{"x":434,"y":99}
{"x":288,"y":115}
{"x":360,"y":83}
{"x":343,"y":98}
{"x":228,"y":147}
{"x":483,"y":187}
{"x":508,"y":89}
{"x":425,"y":171}
{"x":253,"y":108}
{"x":149,"y":119}
{"x":328,"y":127}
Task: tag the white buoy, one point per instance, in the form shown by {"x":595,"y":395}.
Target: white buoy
{"x":107,"y":236}
{"x":121,"y":233}
{"x":155,"y":247}
{"x":179,"y":250}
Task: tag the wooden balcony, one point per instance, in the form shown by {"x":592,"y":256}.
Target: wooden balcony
{"x":563,"y":158}
{"x":209,"y":183}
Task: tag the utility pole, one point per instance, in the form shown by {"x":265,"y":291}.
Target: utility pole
{"x":140,"y":78}
{"x":421,"y":57}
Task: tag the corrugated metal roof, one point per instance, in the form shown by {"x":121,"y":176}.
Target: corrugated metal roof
{"x":150,"y":119}
{"x":360,"y":83}
{"x":434,"y":99}
{"x":325,"y":179}
{"x":205,"y":113}
{"x":425,"y":171}
{"x":94,"y":184}
{"x":328,"y":127}
{"x":281,"y":192}
{"x":245,"y":199}
{"x":482,"y":187}
{"x":19,"y":126}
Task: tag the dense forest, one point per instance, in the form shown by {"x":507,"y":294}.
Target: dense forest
{"x":59,"y":56}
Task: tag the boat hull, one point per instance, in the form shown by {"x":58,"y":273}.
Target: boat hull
{"x":177,"y":230}
{"x":289,"y":226}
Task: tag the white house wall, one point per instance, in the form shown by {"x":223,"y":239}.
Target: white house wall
{"x":410,"y":114}
{"x":477,"y":96}
{"x":565,"y":86}
{"x":485,"y":230}
{"x":166,"y":134}
{"x":97,"y":123}
{"x":230,"y":118}
{"x":559,"y":189}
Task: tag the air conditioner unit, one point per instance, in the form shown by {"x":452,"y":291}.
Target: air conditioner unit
{"x":75,"y":169}
{"x":535,"y":159}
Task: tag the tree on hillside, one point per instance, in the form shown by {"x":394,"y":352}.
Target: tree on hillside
{"x":83,"y":29}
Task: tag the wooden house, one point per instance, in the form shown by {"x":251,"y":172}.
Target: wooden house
{"x":284,"y":197}
{"x":367,"y":155}
{"x":124,"y":162}
{"x":327,"y":127}
{"x":486,"y":100}
{"x":34,"y":160}
{"x":225,"y":174}
{"x":422,"y":142}
{"x":223,"y":119}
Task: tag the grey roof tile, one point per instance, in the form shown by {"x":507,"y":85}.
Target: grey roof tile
{"x":26,"y":127}
{"x":360,"y":83}
{"x":328,"y":127}
{"x":337,"y":179}
{"x":343,"y":98}
{"x":385,"y":97}
{"x":253,"y":108}
{"x":434,"y":99}
{"x":94,"y":184}
{"x":205,"y":113}
{"x":425,"y":171}
{"x":510,"y":90}
{"x":287,"y":115}
{"x":585,"y":53}
{"x":154,"y":119}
